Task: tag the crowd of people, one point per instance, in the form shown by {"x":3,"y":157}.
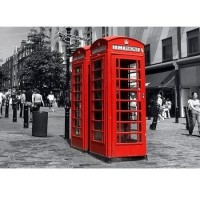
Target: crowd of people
{"x":165,"y":106}
{"x":32,"y":98}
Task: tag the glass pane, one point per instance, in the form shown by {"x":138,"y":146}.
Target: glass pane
{"x":98,"y":126}
{"x":98,"y":84}
{"x":78,"y":70}
{"x":193,"y":45}
{"x":77,"y":87}
{"x":98,"y":94}
{"x":97,"y":74}
{"x":77,"y":96}
{"x":127,"y":127}
{"x":77,"y":113}
{"x":77,"y":79}
{"x":77,"y":122}
{"x":97,"y":105}
{"x":77,"y":105}
{"x":98,"y":115}
{"x":98,"y":64}
{"x":77,"y":131}
{"x":128,"y":138}
{"x":98,"y":136}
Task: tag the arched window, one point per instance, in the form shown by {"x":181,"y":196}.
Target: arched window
{"x":76,"y":41}
{"x":57,"y":46}
{"x":88,"y":34}
{"x":104,"y":31}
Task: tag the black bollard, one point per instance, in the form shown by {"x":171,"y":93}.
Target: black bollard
{"x":155,"y":118}
{"x":26,"y":124}
{"x":7,"y":109}
{"x":177,"y":113}
{"x":14,"y":111}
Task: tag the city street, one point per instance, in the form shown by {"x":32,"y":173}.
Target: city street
{"x":170,"y":146}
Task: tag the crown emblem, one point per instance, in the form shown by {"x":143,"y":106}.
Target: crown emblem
{"x":126,"y":41}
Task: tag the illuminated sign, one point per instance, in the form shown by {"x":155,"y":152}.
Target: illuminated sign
{"x":99,"y":49}
{"x":127,"y":48}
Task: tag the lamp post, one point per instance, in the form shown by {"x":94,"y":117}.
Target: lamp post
{"x":67,"y":103}
{"x":70,"y":48}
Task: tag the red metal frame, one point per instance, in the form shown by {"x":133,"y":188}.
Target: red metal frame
{"x":122,"y":120}
{"x":79,"y":94}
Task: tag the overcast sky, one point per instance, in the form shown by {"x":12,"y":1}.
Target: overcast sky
{"x":10,"y":37}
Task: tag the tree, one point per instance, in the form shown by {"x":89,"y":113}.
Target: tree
{"x":43,"y":68}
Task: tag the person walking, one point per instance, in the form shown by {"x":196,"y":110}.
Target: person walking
{"x":168,"y":106}
{"x":2,"y":96}
{"x":51,"y":99}
{"x":37,"y":100}
{"x":194,"y":104}
{"x":159,"y":103}
{"x":22,"y":102}
{"x":28,"y":102}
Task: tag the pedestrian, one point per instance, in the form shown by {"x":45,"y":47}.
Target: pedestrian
{"x":18,"y":97}
{"x":51,"y":99}
{"x":194,"y":104}
{"x":2,"y":97}
{"x":168,"y":106}
{"x":159,"y":104}
{"x":28,"y":102}
{"x":37,"y":100}
{"x":133,"y":106}
{"x":22,"y":102}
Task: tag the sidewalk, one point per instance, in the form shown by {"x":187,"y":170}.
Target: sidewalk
{"x":169,"y":146}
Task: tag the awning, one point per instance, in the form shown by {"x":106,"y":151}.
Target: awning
{"x":161,"y":79}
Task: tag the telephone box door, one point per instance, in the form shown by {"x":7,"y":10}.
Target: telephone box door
{"x":97,"y":106}
{"x":79,"y":105}
{"x":129,"y":124}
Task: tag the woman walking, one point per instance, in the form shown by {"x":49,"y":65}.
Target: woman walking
{"x":37,"y":100}
{"x":195,"y":109}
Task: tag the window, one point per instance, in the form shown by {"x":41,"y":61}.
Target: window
{"x":57,"y":46}
{"x":147,"y":55}
{"x":104,"y":31}
{"x":50,"y":32}
{"x":76,"y":41}
{"x":167,"y":49}
{"x":193,"y":42}
{"x":89,"y":35}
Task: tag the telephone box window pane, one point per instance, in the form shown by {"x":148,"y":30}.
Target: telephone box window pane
{"x":97,"y":64}
{"x":98,"y":74}
{"x":77,"y":79}
{"x":98,"y":95}
{"x":77,"y":87}
{"x":98,"y":105}
{"x":98,"y":84}
{"x":78,"y":70}
{"x":98,"y":136}
{"x":78,"y":105}
{"x":98,"y":115}
{"x":77,"y":131}
{"x":77,"y":113}
{"x":77,"y":96}
{"x":77,"y":122}
{"x":127,"y":127}
{"x":98,"y":126}
{"x":128,"y":138}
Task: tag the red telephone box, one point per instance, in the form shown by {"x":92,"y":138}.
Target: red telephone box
{"x":79,"y":94}
{"x":117,"y":98}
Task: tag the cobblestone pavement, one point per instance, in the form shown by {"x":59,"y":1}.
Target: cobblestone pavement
{"x":170,"y":146}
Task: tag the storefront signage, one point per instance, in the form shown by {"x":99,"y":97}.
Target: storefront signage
{"x":127,"y":48}
{"x":79,"y":57}
{"x":99,"y":49}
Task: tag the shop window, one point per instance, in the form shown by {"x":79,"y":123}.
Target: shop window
{"x":147,"y":55}
{"x":193,"y":42}
{"x":167,"y":54}
{"x":104,"y":31}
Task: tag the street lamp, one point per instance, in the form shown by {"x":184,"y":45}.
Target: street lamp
{"x":67,"y":102}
